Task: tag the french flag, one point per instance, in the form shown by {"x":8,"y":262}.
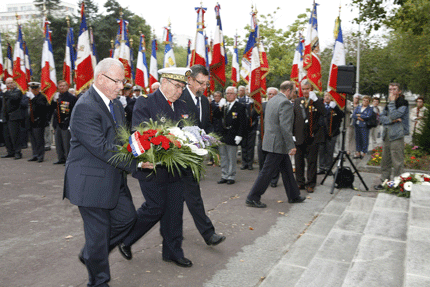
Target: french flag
{"x":19,"y":71}
{"x":337,"y":60}
{"x":1,"y":60}
{"x":69,"y":57}
{"x":122,"y":49}
{"x":28,"y":69}
{"x":235,"y":77}
{"x":199,"y":52}
{"x":84,"y":72}
{"x":153,"y":68}
{"x":219,"y":57}
{"x":297,"y":69}
{"x":48,"y":78}
{"x":169,"y":56}
{"x":142,"y":66}
{"x":245,"y":71}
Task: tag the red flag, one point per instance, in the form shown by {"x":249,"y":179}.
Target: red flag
{"x":264,"y":66}
{"x":218,"y":62}
{"x":153,"y":68}
{"x":48,"y":77}
{"x":311,"y":60}
{"x":235,"y":78}
{"x":255,"y":78}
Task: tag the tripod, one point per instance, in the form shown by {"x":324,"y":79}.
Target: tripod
{"x":339,"y":158}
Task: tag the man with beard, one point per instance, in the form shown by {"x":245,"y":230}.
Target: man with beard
{"x":199,"y":111}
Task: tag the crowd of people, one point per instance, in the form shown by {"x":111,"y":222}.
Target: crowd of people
{"x":296,"y":138}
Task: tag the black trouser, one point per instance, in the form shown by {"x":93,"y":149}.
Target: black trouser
{"x":248,"y":144}
{"x":37,"y":139}
{"x":261,"y":158}
{"x":105,"y":229}
{"x":310,"y":151}
{"x":275,"y":162}
{"x":193,"y":198}
{"x":62,"y":143}
{"x":11,"y":133}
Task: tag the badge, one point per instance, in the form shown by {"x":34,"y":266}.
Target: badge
{"x":163,"y":119}
{"x":302,"y":102}
{"x":185,"y":116}
{"x":234,"y":115}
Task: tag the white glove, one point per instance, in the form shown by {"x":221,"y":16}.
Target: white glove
{"x":30,"y":95}
{"x":56,"y":96}
{"x":332,"y":104}
{"x":313,"y":96}
{"x":237,"y":139}
{"x":221,"y":103}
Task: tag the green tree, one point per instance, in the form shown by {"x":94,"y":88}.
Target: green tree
{"x":49,"y":5}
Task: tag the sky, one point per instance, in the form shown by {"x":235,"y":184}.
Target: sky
{"x":235,"y":15}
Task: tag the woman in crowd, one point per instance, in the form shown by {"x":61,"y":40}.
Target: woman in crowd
{"x":360,"y":116}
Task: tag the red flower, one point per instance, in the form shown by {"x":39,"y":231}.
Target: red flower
{"x":426,"y":179}
{"x":178,"y":144}
{"x":412,"y":157}
{"x":151,"y":133}
{"x":146,"y":145}
{"x":128,"y":148}
{"x":165,"y":145}
{"x":409,"y":178}
{"x":156,"y":140}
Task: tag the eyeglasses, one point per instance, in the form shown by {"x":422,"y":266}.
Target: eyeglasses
{"x":202,"y":83}
{"x":177,"y":85}
{"x":116,"y":81}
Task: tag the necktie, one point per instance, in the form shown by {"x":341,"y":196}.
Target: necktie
{"x":112,"y":111}
{"x":327,"y":106}
{"x":198,"y":107}
{"x":170,"y":103}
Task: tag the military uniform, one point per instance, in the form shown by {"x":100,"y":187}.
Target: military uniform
{"x":61,"y":119}
{"x":13,"y":118}
{"x":250,"y":133}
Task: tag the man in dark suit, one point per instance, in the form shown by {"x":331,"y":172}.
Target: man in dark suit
{"x":13,"y":118}
{"x":39,"y":110}
{"x":163,"y":191}
{"x":233,"y":121}
{"x":271,"y":92}
{"x":94,"y":183}
{"x":63,"y":106}
{"x":279,"y":144}
{"x":250,"y":132}
{"x":308,"y":129}
{"x":199,"y":110}
{"x":333,"y":116}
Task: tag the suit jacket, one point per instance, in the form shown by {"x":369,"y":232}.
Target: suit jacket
{"x":91,"y":179}
{"x":156,"y":107}
{"x":308,"y":121}
{"x":12,"y":105}
{"x":63,"y":110}
{"x":278,"y":125}
{"x":365,"y":115}
{"x":205,"y":123}
{"x":233,"y":122}
{"x":129,"y":110}
{"x":251,"y":113}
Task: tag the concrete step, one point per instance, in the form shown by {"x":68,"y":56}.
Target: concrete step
{"x":418,"y":240}
{"x":323,"y":252}
{"x":380,"y":256}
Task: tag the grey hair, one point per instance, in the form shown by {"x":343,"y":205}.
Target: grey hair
{"x":234,"y":88}
{"x":306,"y":83}
{"x":240,"y":87}
{"x":273,"y":88}
{"x":105,"y":65}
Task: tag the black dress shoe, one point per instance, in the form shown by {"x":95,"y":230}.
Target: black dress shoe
{"x":40,"y":160}
{"x":81,"y":256}
{"x":47,"y":148}
{"x":125,"y":251}
{"x":60,"y":162}
{"x":250,"y":168}
{"x":379,"y":187}
{"x":230,"y":181}
{"x":253,"y":203}
{"x":273,"y":184}
{"x":297,"y":200}
{"x":321,"y":171}
{"x":18,"y":156}
{"x":182,"y":262}
{"x":7,"y":156}
{"x":215,"y":239}
{"x":302,"y":187}
{"x":33,"y":159}
{"x":243,"y":167}
{"x":222,"y":180}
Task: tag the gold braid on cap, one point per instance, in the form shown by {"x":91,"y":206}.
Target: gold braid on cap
{"x":176,"y":77}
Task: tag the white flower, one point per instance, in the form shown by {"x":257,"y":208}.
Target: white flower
{"x":426,"y":183}
{"x":396,"y":182}
{"x":408,"y":186}
{"x":191,"y":137}
{"x":405,"y":175}
{"x":385,"y":182}
{"x":177,"y":132}
{"x":196,"y":150}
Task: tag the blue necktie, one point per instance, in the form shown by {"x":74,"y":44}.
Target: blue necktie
{"x":112,"y":112}
{"x":198,"y":107}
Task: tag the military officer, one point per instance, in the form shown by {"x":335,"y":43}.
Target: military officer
{"x":38,"y":117}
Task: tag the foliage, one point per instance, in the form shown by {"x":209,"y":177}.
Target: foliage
{"x":402,"y":185}
{"x":423,"y":134}
{"x":415,"y":157}
{"x":50,"y":5}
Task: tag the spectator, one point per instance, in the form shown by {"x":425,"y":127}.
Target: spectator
{"x":360,"y":116}
{"x":376,"y":130}
{"x":417,"y":117}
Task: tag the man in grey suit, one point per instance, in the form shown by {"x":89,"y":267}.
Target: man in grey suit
{"x":279,"y":144}
{"x":94,"y":183}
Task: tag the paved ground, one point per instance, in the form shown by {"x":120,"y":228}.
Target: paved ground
{"x":41,"y":234}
